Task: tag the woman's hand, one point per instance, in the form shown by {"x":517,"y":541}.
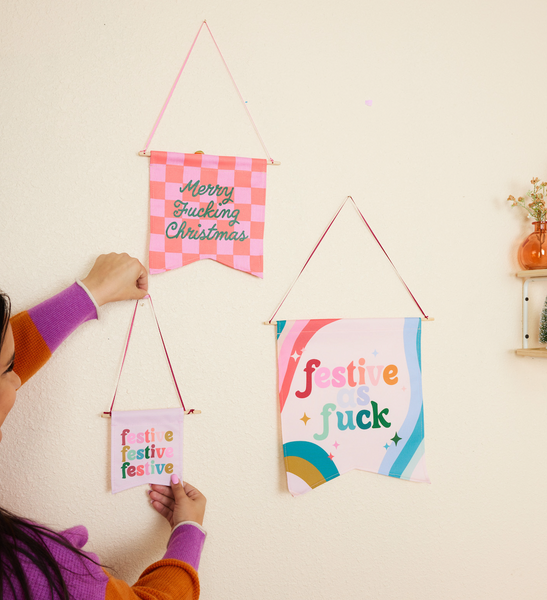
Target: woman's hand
{"x":178,"y":503}
{"x":117,"y":277}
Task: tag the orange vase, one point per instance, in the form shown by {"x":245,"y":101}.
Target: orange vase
{"x":533,"y":251}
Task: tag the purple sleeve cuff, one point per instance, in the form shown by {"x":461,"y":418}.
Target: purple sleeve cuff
{"x":59,"y":316}
{"x":186,"y":544}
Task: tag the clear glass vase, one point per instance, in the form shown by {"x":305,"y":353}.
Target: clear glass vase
{"x":533,"y":250}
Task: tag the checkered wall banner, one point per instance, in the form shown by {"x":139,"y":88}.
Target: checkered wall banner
{"x":204,"y":206}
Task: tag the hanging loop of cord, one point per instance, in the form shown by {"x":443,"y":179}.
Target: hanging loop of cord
{"x":323,"y":237}
{"x":109,"y":413}
{"x":160,"y":116}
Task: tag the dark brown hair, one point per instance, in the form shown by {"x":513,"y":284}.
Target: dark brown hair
{"x":20,"y":537}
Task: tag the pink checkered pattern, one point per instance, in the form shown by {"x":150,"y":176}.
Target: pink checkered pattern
{"x":194,"y":224}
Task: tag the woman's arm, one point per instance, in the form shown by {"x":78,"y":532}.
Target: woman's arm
{"x":175,"y":576}
{"x":168,"y":579}
{"x":164,"y":580}
{"x":39,"y":331}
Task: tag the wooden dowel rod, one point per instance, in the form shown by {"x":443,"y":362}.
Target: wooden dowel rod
{"x":275,"y":163}
{"x":275,"y":322}
{"x":106,"y":415}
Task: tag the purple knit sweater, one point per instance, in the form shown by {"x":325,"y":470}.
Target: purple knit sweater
{"x":86,"y":580}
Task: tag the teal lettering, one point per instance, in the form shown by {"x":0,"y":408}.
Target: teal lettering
{"x":228,"y":194}
{"x":179,"y":213}
{"x":194,"y":212}
{"x":210,"y":210}
{"x":182,"y":231}
{"x":349,"y":415}
{"x":174,"y":226}
{"x":211,"y":234}
{"x":190,"y":187}
{"x":193,"y":234}
{"x":234,"y":216}
{"x":359,"y":419}
{"x":199,"y":189}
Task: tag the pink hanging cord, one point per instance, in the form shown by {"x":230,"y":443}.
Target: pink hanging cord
{"x":149,"y":140}
{"x":125,"y":354}
{"x":319,"y":242}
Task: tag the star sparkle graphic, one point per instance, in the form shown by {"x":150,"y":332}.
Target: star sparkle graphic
{"x":295,"y":355}
{"x":305,"y":418}
{"x":336,"y":444}
{"x":375,"y":353}
{"x":386,"y":446}
{"x":396,"y":438}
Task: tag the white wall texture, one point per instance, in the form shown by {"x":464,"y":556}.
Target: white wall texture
{"x":457,"y":123}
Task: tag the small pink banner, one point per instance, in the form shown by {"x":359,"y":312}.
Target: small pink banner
{"x":146,"y":447}
{"x":204,"y":206}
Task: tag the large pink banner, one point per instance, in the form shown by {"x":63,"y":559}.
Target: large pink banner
{"x":204,"y":206}
{"x":350,"y":394}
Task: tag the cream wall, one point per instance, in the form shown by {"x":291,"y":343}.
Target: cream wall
{"x":457,"y":123}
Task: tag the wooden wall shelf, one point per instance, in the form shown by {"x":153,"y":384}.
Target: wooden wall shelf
{"x":533,"y":273}
{"x":535,"y":352}
{"x":528,"y":277}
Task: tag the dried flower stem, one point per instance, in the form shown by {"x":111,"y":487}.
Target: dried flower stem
{"x":536,"y":209}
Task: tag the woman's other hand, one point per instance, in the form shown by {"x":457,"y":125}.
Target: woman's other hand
{"x":117,"y":277}
{"x":178,"y":503}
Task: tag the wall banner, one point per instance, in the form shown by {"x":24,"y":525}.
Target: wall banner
{"x":350,"y":394}
{"x":146,"y":447}
{"x":204,"y":206}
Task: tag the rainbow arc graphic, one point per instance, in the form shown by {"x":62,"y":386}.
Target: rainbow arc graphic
{"x":309,"y":462}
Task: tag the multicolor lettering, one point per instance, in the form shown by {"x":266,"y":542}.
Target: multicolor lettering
{"x":152,"y":451}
